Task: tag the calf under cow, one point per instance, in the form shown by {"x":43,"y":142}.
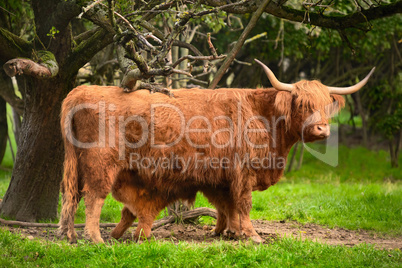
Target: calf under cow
{"x":150,"y":150}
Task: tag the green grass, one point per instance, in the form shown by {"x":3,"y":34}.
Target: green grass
{"x":285,"y":252}
{"x":357,"y":164}
{"x":376,"y":207}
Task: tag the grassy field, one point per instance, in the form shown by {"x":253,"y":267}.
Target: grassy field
{"x":285,"y":252}
{"x":361,"y":193}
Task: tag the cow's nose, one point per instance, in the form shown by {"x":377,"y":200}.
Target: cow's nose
{"x":322,"y":130}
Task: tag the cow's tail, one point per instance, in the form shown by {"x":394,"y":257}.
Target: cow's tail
{"x":70,"y":182}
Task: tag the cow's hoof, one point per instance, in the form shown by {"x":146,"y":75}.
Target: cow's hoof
{"x":232,"y":234}
{"x":72,"y":240}
{"x":61,"y":234}
{"x":71,"y":236}
{"x":116,"y":235}
{"x":95,"y":238}
{"x":215,"y":233}
{"x":98,"y":240}
{"x":256,"y":239}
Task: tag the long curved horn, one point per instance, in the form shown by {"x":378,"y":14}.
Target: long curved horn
{"x":275,"y":82}
{"x":351,"y":89}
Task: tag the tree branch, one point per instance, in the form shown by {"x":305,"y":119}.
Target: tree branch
{"x":46,"y":66}
{"x":188,"y":46}
{"x":190,"y":57}
{"x":86,"y":49}
{"x":186,"y":215}
{"x":65,"y":12}
{"x":239,"y":44}
{"x":317,"y":19}
{"x":131,"y":80}
{"x":99,"y":18}
{"x":85,"y":35}
{"x":13,"y":46}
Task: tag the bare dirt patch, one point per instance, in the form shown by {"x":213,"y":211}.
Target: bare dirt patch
{"x":268,"y":230}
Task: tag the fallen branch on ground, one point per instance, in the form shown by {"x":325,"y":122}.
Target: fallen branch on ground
{"x":197,"y":212}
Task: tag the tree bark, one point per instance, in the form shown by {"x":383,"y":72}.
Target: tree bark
{"x":33,"y":192}
{"x":16,"y":126}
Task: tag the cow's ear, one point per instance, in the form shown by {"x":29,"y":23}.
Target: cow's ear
{"x":339,"y":100}
{"x":283,"y":104}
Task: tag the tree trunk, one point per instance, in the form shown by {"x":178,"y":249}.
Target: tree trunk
{"x":394,"y":149}
{"x":175,"y":57}
{"x":16,"y":126}
{"x":33,"y":192}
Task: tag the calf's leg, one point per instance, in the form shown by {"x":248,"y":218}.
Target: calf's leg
{"x":139,"y":202}
{"x":127,"y":219}
{"x":218,"y":197}
{"x":145,"y":208}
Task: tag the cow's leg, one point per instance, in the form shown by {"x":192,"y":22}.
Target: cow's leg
{"x":69,"y":207}
{"x":71,"y":189}
{"x":248,"y":229}
{"x":233,"y":223}
{"x":93,"y":207}
{"x":243,"y":206}
{"x":221,"y":222}
{"x":98,"y":184}
{"x":230,"y":218}
{"x":127,"y":219}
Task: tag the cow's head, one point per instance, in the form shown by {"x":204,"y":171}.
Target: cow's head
{"x":308,"y":105}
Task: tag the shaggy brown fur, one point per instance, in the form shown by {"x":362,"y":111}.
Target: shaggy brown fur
{"x":230,"y":124}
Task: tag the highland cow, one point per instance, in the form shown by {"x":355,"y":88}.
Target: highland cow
{"x":151,"y":149}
